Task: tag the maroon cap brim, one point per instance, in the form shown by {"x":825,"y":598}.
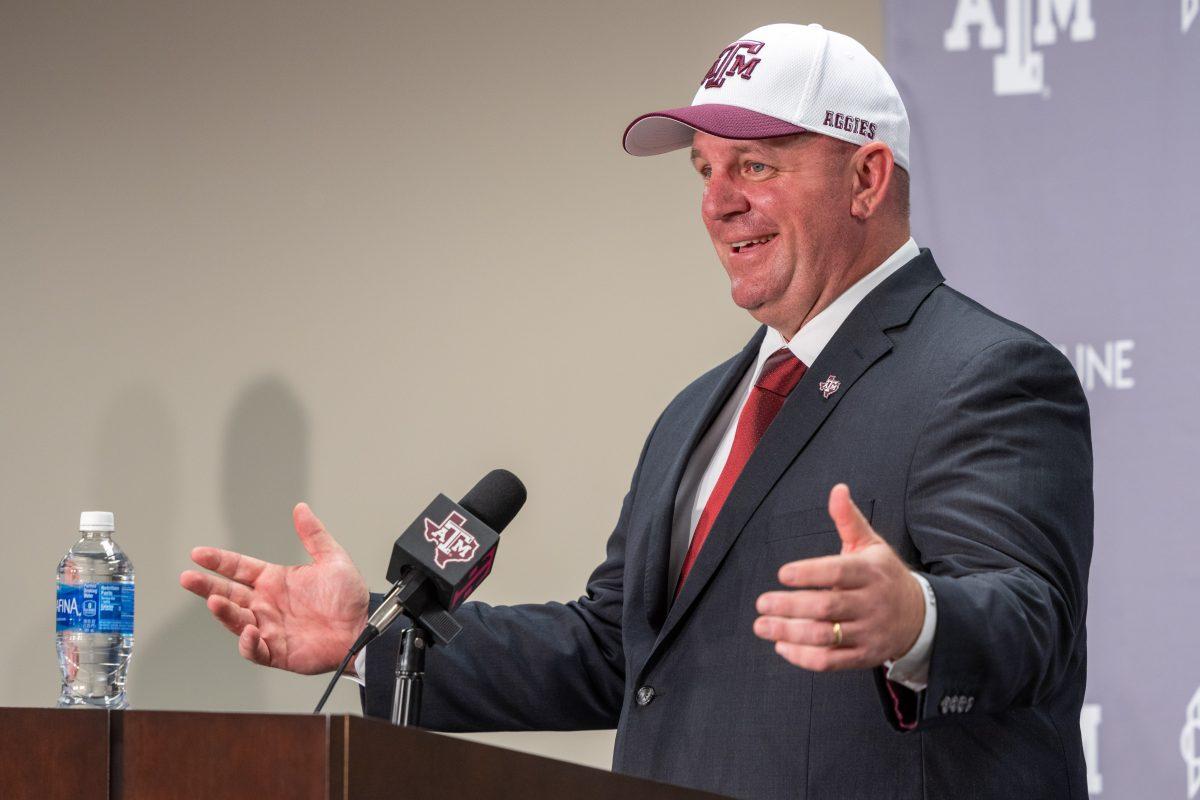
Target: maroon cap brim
{"x":664,"y":131}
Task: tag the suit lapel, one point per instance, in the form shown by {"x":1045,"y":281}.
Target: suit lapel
{"x":658,"y":557}
{"x":858,"y":344}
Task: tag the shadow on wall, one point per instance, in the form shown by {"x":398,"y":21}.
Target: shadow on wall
{"x":193,"y":663}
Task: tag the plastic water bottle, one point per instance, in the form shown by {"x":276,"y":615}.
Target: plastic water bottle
{"x":95,"y":616}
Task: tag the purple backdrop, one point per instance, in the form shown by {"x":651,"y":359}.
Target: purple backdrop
{"x":1056,"y":176}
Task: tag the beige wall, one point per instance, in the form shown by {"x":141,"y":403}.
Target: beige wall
{"x":257,"y":253}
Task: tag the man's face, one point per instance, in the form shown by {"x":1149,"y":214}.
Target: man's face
{"x":794,"y":193}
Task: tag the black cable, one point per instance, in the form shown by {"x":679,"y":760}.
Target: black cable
{"x":329,"y":689}
{"x":366,"y":637}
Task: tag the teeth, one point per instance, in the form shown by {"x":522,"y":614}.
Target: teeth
{"x":739,"y":245}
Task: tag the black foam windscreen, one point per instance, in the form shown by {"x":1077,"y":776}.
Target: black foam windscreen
{"x":496,"y":499}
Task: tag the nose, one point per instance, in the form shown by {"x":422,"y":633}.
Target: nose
{"x":723,"y":198}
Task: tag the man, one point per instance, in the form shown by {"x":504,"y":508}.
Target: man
{"x":754,"y":630}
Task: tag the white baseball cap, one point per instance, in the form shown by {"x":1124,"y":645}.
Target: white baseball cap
{"x":780,"y":80}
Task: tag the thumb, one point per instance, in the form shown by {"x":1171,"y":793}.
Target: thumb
{"x":853,"y":528}
{"x":319,"y":542}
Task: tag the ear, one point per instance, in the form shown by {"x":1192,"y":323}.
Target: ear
{"x":871,"y":168}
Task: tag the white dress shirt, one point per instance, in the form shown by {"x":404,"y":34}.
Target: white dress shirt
{"x":708,"y":459}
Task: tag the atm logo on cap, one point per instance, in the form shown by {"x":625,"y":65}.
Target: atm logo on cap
{"x":734,"y":60}
{"x":452,"y":542}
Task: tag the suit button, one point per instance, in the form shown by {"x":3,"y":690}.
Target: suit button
{"x":645,"y":695}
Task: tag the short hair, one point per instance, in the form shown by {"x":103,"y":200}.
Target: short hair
{"x":900,"y":187}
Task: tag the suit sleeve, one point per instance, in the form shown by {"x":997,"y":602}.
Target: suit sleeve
{"x":999,"y":506}
{"x":549,"y":666}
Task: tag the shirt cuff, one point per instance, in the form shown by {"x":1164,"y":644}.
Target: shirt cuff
{"x":912,"y":668}
{"x":360,"y":667}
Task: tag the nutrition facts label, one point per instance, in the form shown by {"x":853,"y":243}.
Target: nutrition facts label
{"x":95,"y":608}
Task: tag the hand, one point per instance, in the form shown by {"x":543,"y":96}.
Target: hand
{"x":867,"y":589}
{"x":298,"y":618}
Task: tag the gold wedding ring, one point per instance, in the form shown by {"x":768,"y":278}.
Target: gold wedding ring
{"x":837,"y":634}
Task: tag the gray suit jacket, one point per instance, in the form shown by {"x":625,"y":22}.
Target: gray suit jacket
{"x":965,"y":440}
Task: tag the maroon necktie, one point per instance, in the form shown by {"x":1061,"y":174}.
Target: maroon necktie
{"x":779,"y":376}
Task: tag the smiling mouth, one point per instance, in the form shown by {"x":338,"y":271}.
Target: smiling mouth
{"x":750,"y":244}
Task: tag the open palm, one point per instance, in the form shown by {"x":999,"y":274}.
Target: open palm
{"x":301,"y":618}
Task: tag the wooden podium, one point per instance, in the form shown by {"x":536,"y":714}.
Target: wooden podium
{"x":47,"y":754}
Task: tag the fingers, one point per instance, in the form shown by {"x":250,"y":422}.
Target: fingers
{"x":818,"y":604}
{"x":853,"y":528}
{"x":808,"y":632}
{"x":823,"y":659}
{"x":246,"y":569}
{"x":252,"y":647}
{"x":813,"y":643}
{"x":319,"y":542}
{"x":204,"y":585}
{"x":230,"y":614}
{"x":842,"y":572}
{"x":226,"y":600}
{"x":241,"y":568}
{"x":227,"y":597}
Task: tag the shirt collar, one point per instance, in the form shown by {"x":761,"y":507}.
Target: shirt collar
{"x":810,"y":340}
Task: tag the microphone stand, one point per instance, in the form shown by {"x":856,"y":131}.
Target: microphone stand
{"x":410,"y":675}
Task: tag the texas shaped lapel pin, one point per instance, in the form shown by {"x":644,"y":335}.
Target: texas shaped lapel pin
{"x":829,"y":386}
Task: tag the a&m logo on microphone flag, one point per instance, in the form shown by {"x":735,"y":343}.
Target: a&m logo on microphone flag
{"x":452,"y":542}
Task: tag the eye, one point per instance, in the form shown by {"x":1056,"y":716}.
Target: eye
{"x":757,"y":168}
{"x":705,"y":172}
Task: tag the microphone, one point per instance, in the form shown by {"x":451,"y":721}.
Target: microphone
{"x":443,"y":556}
{"x":440,"y":559}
